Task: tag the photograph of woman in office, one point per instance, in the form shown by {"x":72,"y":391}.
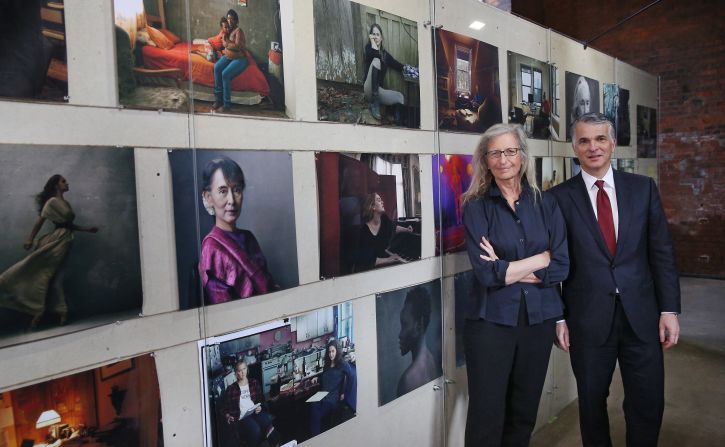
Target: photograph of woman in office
{"x":34,"y":286}
{"x":336,"y":378}
{"x":375,"y":236}
{"x":516,"y":242}
{"x":232,"y":264}
{"x":243,"y":411}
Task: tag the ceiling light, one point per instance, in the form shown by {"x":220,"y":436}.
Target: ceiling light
{"x":476,"y":25}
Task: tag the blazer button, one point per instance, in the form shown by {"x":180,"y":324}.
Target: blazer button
{"x":521,"y":240}
{"x":518,"y":221}
{"x":526,"y":292}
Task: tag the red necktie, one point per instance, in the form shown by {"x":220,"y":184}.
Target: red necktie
{"x":604,"y":216}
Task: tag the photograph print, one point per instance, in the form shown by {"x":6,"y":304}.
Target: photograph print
{"x":409,"y":339}
{"x":463,"y":286}
{"x":230,"y":63}
{"x":33,"y":62}
{"x":450,"y":180}
{"x":530,"y":95}
{"x":646,"y":132}
{"x":285,"y":381}
{"x":616,"y":109}
{"x":70,"y":256}
{"x":469,"y":98}
{"x":244,"y":204}
{"x":115,"y":405}
{"x":370,"y":211}
{"x":582,"y":96}
{"x":367,"y":65}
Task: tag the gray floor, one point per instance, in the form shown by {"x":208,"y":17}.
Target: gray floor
{"x":695,"y":380}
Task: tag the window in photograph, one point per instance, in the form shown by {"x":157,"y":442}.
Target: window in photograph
{"x":554,"y":90}
{"x":531,"y":84}
{"x":463,"y":70}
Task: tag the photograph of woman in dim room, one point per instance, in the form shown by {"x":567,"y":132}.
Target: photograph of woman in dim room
{"x":376,"y":233}
{"x":34,"y":285}
{"x":377,"y":61}
{"x":414,"y":321}
{"x":244,"y":395}
{"x":337,"y":377}
{"x":231,"y":64}
{"x":232,"y":264}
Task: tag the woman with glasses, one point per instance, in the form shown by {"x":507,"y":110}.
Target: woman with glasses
{"x":516,"y":241}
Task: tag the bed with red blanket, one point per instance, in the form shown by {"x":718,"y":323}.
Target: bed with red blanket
{"x":202,"y":70}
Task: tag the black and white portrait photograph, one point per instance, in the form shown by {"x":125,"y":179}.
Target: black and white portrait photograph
{"x":582,"y":96}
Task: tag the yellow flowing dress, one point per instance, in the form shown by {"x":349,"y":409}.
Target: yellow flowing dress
{"x":24,"y":286}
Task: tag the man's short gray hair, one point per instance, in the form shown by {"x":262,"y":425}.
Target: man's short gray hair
{"x":592,"y":118}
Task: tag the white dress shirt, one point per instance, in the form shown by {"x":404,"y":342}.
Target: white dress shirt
{"x":609,"y":188}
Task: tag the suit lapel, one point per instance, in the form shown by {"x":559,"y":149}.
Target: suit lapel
{"x":624,"y":206}
{"x":580,"y":197}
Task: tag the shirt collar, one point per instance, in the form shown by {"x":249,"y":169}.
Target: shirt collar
{"x":495,"y":191}
{"x":590,"y":179}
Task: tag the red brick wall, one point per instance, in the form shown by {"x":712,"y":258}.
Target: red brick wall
{"x":684,"y":44}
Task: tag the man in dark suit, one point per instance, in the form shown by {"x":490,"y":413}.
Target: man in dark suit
{"x":622,"y":295}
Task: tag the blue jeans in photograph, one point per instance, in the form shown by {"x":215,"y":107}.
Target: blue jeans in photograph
{"x":225,"y":70}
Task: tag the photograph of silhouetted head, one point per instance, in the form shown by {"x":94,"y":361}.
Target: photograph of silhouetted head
{"x":616,"y":109}
{"x":469,"y":96}
{"x":532,"y":96}
{"x":286,"y":380}
{"x":367,"y":65}
{"x":115,"y":405}
{"x":646,"y":132}
{"x":244,"y":205}
{"x":33,"y":61}
{"x":370,"y":211}
{"x":409,"y":339}
{"x":582,"y":96}
{"x":451,"y":177}
{"x":222,"y":58}
{"x":69,"y":256}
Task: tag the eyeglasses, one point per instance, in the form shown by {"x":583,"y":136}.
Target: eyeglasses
{"x":509,"y":152}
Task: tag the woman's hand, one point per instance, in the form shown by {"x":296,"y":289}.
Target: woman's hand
{"x":488,"y":249}
{"x":374,"y":42}
{"x":562,"y":336}
{"x":530,"y":279}
{"x":229,"y":418}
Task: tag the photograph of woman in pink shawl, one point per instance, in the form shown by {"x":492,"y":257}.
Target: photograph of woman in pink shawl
{"x":232,"y":265}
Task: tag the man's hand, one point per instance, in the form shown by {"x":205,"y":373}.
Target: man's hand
{"x":562,"y":336}
{"x":669,"y":330}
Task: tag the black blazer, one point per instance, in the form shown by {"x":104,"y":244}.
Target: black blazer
{"x":643,"y":268}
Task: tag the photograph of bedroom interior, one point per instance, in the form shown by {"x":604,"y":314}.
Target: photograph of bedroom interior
{"x":161,"y":67}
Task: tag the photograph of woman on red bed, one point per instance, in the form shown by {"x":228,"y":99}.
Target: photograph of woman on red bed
{"x":166,"y":57}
